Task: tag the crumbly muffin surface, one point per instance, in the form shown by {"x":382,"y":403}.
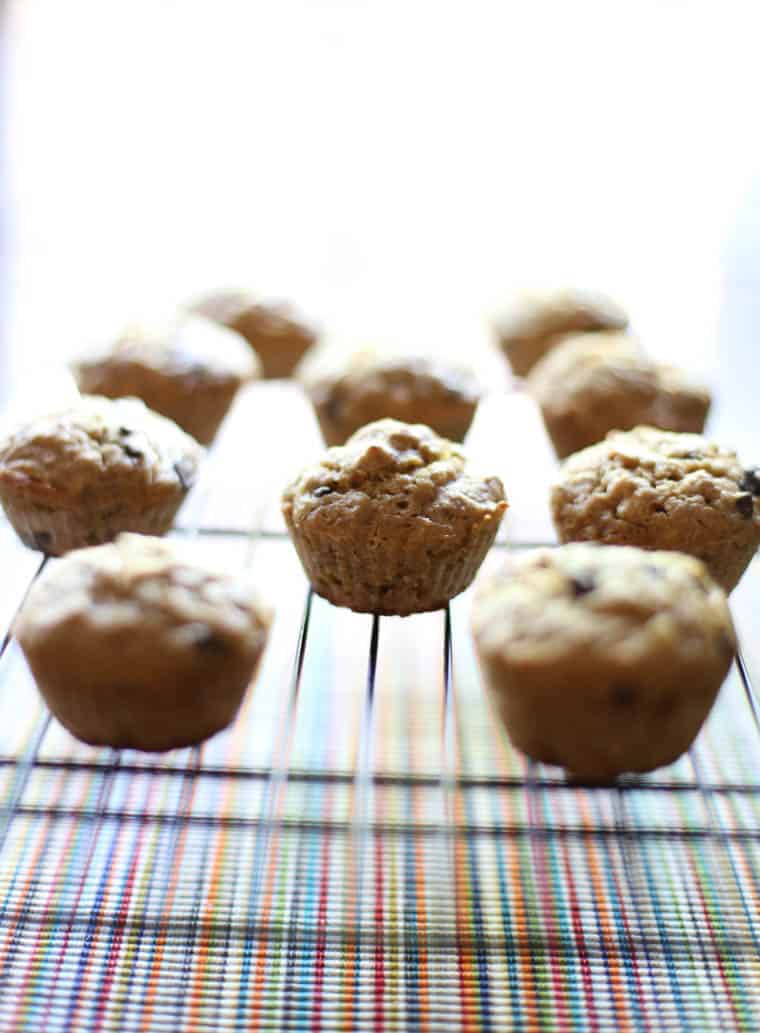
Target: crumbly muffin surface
{"x":407,"y":468}
{"x":85,"y":449}
{"x":138,"y":580}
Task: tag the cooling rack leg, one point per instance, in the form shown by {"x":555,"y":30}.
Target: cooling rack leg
{"x":749,"y":689}
{"x":264,"y":858}
{"x":361,"y":832}
{"x":21,"y":776}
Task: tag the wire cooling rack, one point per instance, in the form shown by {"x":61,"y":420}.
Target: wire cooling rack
{"x":363,"y":849}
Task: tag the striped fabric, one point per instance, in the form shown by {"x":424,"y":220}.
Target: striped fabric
{"x":363,"y":850}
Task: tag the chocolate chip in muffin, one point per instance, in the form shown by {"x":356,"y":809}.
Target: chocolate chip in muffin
{"x":582,"y":584}
{"x":183,"y":473}
{"x":42,"y":540}
{"x":208,"y":642}
{"x":745,"y":505}
{"x":623,"y":695}
{"x":727,"y":644}
{"x":751,"y":481}
{"x":406,"y":528}
{"x":132,"y":453}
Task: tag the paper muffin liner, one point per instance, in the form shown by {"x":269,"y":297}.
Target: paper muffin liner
{"x":201,"y":414}
{"x":393,"y":577}
{"x":56,"y":532}
{"x":727,"y":562}
{"x":571,"y":429}
{"x":333,"y":431}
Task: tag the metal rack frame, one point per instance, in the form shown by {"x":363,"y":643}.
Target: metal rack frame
{"x":641,"y":937}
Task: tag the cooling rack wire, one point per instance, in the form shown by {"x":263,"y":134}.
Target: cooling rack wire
{"x":363,"y":849}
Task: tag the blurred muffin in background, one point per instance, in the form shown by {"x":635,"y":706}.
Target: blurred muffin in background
{"x":535,"y":322}
{"x":185,"y":367}
{"x":350,"y":390}
{"x":279,"y":337}
{"x":591,"y":384}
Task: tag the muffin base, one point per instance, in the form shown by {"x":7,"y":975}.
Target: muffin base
{"x":571,"y":430}
{"x":138,"y":709}
{"x":391,"y":578}
{"x":605,"y":737}
{"x":725,"y":561}
{"x":58,"y":531}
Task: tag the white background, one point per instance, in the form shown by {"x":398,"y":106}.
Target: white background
{"x":395,"y":167}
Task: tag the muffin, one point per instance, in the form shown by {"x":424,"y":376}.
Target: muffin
{"x":603,"y":660}
{"x":593,"y":383}
{"x":279,"y":338}
{"x":660,"y":490}
{"x":81,"y":476}
{"x":391,"y":523}
{"x":535,"y":323}
{"x":186,"y":368}
{"x":135,"y":645}
{"x":349,"y":392}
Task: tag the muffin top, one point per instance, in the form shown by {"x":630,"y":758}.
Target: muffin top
{"x":139,"y":583}
{"x":646,"y":474}
{"x":243,"y":311}
{"x":95,"y":448}
{"x":534,"y":321}
{"x":185,"y":346}
{"x":594,"y":366}
{"x":564,"y":310}
{"x":404,"y":471}
{"x":615,"y":604}
{"x":336,"y":380}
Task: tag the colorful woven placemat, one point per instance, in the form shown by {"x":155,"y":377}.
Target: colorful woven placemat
{"x":363,"y":849}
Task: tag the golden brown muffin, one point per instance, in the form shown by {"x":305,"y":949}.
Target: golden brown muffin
{"x":535,"y":323}
{"x":594,"y":383}
{"x":186,"y":368}
{"x":391,"y":522}
{"x":350,"y":391}
{"x":81,"y":476}
{"x":660,"y":490}
{"x":133,"y":644}
{"x":279,"y":337}
{"x":600,"y":659}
